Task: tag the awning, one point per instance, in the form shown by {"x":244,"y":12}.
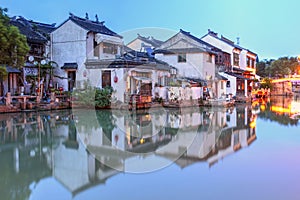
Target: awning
{"x":142,"y":79}
{"x":70,"y":66}
{"x":196,"y":80}
{"x":240,"y":70}
{"x":237,"y":76}
{"x":220,"y":77}
{"x":12,"y":70}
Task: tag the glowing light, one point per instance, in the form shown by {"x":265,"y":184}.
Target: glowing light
{"x":142,"y":141}
{"x":279,"y":109}
{"x":252,"y":124}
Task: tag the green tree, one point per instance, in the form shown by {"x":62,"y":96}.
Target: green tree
{"x":13,"y":45}
{"x":283,"y":66}
{"x":261,"y":69}
{"x":3,"y":74}
{"x":266,"y":83}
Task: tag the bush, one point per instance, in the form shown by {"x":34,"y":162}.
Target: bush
{"x":94,"y":97}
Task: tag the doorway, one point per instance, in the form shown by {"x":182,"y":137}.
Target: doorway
{"x":71,"y":80}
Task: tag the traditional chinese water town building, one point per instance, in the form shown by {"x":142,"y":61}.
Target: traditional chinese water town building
{"x":38,"y":40}
{"x":239,"y":64}
{"x":88,"y":51}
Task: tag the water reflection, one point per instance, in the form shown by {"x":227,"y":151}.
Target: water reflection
{"x":280,"y":109}
{"x":81,"y":150}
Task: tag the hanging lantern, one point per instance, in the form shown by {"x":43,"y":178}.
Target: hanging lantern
{"x":84,"y":73}
{"x":115,"y":79}
{"x":116,"y":138}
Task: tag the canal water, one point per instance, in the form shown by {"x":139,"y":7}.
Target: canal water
{"x":245,"y":152}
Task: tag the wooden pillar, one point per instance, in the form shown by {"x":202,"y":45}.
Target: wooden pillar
{"x":8,"y":99}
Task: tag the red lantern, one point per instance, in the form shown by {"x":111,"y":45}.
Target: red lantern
{"x":84,"y":73}
{"x":115,"y":79}
{"x":116,"y":138}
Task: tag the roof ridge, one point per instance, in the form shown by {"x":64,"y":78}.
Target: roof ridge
{"x":86,"y":20}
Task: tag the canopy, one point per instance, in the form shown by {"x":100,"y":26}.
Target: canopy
{"x":142,"y":79}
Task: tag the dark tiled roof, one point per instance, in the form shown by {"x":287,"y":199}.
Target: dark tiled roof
{"x":196,"y":80}
{"x":181,"y":50}
{"x":29,"y":65}
{"x":34,"y":31}
{"x":239,"y":70}
{"x":220,"y":77}
{"x":10,"y":69}
{"x":132,"y":59}
{"x":44,"y":28}
{"x":144,"y":56}
{"x":199,"y":40}
{"x":150,"y":40}
{"x":237,"y":75}
{"x":94,"y":26}
{"x":224,"y":39}
{"x":70,"y":66}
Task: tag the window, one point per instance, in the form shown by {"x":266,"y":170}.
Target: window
{"x":228,"y":84}
{"x":248,"y":62}
{"x":106,"y":78}
{"x":167,"y":80}
{"x":236,"y":59}
{"x":228,"y":118}
{"x":160,"y":81}
{"x":181,"y":58}
{"x":252,"y":63}
{"x":222,"y":85}
{"x":110,"y":48}
{"x":142,"y":74}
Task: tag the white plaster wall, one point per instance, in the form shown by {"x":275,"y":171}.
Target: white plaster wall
{"x":120,"y":86}
{"x":208,"y":68}
{"x":232,"y":119}
{"x":95,"y":75}
{"x":243,"y":59}
{"x":70,"y":166}
{"x":196,"y":65}
{"x":221,"y":92}
{"x":137,"y":44}
{"x":93,"y":137}
{"x":90,"y":45}
{"x":69,"y":45}
{"x":219,"y":44}
{"x":232,"y":88}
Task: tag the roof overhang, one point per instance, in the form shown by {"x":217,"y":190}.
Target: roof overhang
{"x":70,"y":66}
{"x":12,"y":70}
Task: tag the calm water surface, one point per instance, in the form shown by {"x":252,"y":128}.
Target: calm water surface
{"x":246,"y":152}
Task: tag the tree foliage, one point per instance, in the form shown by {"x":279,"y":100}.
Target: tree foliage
{"x":267,"y":83}
{"x":93,"y":97}
{"x":13,"y":45}
{"x":278,"y":68}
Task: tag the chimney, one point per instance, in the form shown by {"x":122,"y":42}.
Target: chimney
{"x":86,"y":16}
{"x":238,"y":40}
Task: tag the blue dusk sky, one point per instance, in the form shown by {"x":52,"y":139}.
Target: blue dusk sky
{"x":269,"y":28}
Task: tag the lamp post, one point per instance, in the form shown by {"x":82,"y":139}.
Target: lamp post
{"x":43,"y":62}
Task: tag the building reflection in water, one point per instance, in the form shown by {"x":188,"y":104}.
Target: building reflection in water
{"x":281,"y":109}
{"x":84,"y":149}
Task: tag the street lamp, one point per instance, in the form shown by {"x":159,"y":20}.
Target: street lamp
{"x":43,"y":62}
